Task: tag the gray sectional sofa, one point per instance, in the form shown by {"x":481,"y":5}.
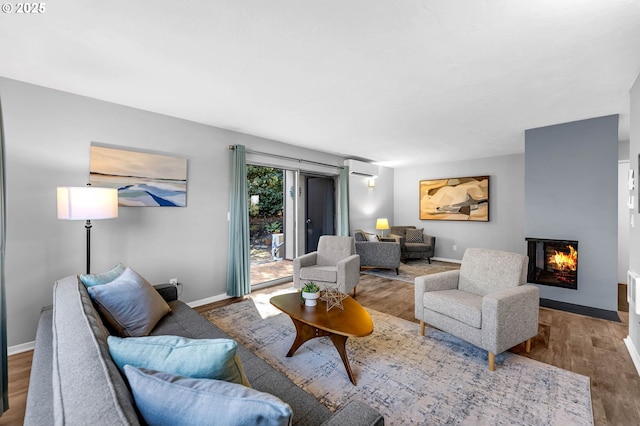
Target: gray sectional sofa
{"x":74,"y":381}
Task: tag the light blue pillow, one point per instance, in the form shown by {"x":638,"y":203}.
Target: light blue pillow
{"x":195,"y":358}
{"x":168,"y":399}
{"x":104,"y":277}
{"x":129,"y":304}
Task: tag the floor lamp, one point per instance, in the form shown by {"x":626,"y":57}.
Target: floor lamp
{"x":87,"y":203}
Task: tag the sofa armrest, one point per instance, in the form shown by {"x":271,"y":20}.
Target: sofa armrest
{"x":39,"y":407}
{"x":509,"y":317}
{"x":348,"y":270}
{"x":429,"y":240}
{"x":398,"y":238}
{"x":435,"y":282}
{"x":303,"y":261}
{"x":169,"y":292}
{"x":355,"y":413}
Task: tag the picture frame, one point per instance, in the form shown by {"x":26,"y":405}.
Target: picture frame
{"x":455,"y":199}
{"x":143,"y":179}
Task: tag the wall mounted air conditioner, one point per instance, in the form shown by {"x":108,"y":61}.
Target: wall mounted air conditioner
{"x":361,"y":168}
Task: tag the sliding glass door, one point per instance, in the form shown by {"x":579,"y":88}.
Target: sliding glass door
{"x":268,"y":225}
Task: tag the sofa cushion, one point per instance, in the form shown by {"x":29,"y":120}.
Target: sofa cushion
{"x":460,"y":305}
{"x":129,"y":304}
{"x":168,"y":399}
{"x":414,"y":236}
{"x":104,"y":277}
{"x":196,"y":358}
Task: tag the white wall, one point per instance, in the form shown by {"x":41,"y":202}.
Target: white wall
{"x":48,"y":134}
{"x":367,"y":204}
{"x":634,"y":243}
{"x":623,"y":220}
{"x":505,"y":229}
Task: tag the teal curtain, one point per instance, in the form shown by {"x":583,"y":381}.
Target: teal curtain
{"x":238,"y":268}
{"x":3,"y":304}
{"x":343,"y":202}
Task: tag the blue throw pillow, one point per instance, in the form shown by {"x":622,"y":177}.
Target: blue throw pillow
{"x":196,"y":358}
{"x":129,"y":304}
{"x":104,"y":277}
{"x":168,"y":399}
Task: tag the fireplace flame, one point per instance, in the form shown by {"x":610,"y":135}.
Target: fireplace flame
{"x":564,"y":261}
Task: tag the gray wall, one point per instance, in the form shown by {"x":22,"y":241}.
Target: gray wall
{"x":367,"y":204}
{"x":48,"y":134}
{"x":571,"y":193}
{"x":634,"y":243}
{"x":504,"y":231}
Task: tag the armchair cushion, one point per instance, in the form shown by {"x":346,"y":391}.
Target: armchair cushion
{"x":487,"y":271}
{"x":414,"y":236}
{"x":319,"y":273}
{"x":459,"y":305}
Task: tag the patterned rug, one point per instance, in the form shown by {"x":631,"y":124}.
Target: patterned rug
{"x":436,"y":379}
{"x":412,"y":269}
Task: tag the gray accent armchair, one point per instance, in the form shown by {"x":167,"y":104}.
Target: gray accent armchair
{"x":424,"y":249}
{"x":376,"y":254}
{"x":335,"y":262}
{"x":487,"y":302}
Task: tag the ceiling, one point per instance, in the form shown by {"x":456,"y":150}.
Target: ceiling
{"x":397,"y":82}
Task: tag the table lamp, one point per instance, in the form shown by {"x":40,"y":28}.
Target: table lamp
{"x":87,"y":203}
{"x":382,"y":224}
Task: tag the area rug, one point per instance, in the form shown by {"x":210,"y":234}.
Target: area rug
{"x":436,"y":379}
{"x":412,"y":269}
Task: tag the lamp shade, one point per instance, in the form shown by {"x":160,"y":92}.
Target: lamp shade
{"x":382,"y":223}
{"x":87,"y":202}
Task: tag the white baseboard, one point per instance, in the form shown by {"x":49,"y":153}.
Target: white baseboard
{"x":22,"y":347}
{"x":444,"y":259}
{"x":633,"y":351}
{"x":207,"y":300}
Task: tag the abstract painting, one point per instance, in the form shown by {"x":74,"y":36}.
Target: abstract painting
{"x":143,"y":179}
{"x":465,"y":199}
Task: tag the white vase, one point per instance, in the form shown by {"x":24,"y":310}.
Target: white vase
{"x":310,"y":299}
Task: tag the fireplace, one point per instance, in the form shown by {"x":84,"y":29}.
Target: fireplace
{"x":553,"y":262}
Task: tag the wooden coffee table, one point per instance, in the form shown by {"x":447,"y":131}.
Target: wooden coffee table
{"x":314,"y":321}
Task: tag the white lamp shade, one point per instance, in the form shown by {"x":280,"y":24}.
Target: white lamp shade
{"x":382,"y":223}
{"x":87,"y":202}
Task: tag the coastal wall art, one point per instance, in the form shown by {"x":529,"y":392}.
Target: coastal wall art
{"x":143,"y":179}
{"x":463,"y":199}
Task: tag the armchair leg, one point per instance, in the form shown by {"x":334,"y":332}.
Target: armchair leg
{"x":397,"y":271}
{"x":429,"y":259}
{"x":354,"y":292}
{"x":527,"y":346}
{"x":422,"y":328}
{"x":492,"y":361}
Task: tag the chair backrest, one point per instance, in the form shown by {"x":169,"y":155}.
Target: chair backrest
{"x":400,"y":230}
{"x":485,"y":271}
{"x":332,"y":248}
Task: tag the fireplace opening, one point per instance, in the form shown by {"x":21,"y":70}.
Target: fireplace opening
{"x":553,"y":262}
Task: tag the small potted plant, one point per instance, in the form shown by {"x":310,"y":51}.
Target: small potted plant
{"x":310,"y":293}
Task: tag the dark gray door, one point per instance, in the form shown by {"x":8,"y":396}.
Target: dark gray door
{"x":320,"y":209}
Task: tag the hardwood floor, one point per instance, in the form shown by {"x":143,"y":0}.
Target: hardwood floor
{"x":19,"y":370}
{"x":585,"y":345}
